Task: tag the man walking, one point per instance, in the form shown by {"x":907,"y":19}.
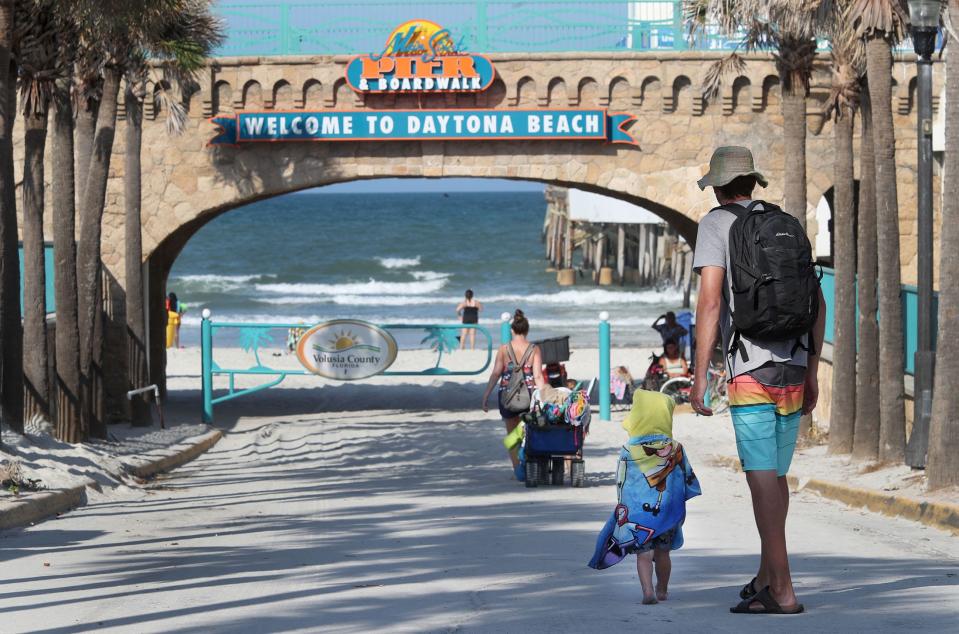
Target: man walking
{"x":758,"y":287}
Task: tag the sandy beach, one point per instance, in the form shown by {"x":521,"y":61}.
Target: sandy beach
{"x":382,"y":506}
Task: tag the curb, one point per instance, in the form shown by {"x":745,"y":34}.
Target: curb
{"x":167,"y":463}
{"x":939,"y":515}
{"x":43,"y":505}
{"x":49,"y":503}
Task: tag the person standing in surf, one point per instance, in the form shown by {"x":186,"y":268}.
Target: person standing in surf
{"x":519,"y":355}
{"x":469,"y":308}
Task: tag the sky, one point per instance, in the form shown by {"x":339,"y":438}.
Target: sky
{"x":407,"y":185}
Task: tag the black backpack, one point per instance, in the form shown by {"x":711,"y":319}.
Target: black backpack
{"x":774,"y":280}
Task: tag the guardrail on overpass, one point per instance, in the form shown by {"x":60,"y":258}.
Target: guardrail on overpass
{"x":289,"y":27}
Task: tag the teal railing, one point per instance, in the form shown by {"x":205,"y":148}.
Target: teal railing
{"x":271,"y":339}
{"x":910,"y":316}
{"x":48,"y":271}
{"x":483,"y":26}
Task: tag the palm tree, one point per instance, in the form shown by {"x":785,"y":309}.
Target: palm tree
{"x":11,"y":333}
{"x":252,"y":339}
{"x":943,"y":462}
{"x":843,"y":100}
{"x":67,"y":378}
{"x":788,"y":29}
{"x":38,"y":68}
{"x":440,"y":339}
{"x":881,"y":23}
{"x":180,"y":46}
{"x":110,"y":32}
{"x":866,"y":434}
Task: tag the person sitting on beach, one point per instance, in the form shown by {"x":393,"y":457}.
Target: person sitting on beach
{"x":655,"y":479}
{"x":670,"y":329}
{"x":470,"y":309}
{"x":517,"y":355}
{"x":672,"y":363}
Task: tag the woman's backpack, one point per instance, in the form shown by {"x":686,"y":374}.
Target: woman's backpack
{"x":515,"y":398}
{"x":774,"y":281}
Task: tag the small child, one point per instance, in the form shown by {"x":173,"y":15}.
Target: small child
{"x":654,"y":479}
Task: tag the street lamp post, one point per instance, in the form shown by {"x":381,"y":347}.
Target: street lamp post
{"x":924,"y":18}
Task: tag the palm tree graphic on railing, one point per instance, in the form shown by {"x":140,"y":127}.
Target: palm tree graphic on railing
{"x":440,"y":340}
{"x":252,"y":339}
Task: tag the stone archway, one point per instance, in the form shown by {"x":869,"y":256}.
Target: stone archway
{"x":186,"y":183}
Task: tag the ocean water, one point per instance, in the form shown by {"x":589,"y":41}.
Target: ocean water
{"x":397,"y":258}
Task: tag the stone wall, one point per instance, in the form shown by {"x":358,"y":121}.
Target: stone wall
{"x":186,"y":183}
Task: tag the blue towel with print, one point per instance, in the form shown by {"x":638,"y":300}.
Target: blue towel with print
{"x":654,"y":479}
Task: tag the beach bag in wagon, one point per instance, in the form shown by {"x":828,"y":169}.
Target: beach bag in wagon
{"x":515,"y":398}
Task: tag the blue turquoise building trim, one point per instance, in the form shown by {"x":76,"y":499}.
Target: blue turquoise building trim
{"x":48,"y":268}
{"x":910,"y":314}
{"x":337,"y":27}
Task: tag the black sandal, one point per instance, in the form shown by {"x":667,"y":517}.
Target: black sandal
{"x":749,"y":589}
{"x":764,"y":598}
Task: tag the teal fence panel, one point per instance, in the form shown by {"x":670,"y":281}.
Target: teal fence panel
{"x":483,"y":26}
{"x":828,"y":284}
{"x":48,"y":268}
{"x":269,"y":357}
{"x":910,"y":316}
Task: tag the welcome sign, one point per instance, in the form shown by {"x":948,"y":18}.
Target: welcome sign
{"x":421,"y":57}
{"x":423,"y":125}
{"x":346,"y":350}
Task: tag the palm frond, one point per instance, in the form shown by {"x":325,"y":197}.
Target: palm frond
{"x":731,"y":64}
{"x":888,"y":19}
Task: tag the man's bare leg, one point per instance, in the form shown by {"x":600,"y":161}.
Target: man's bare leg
{"x":762,"y":579}
{"x":770,"y":507}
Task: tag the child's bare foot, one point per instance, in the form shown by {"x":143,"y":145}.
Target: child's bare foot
{"x":649,"y":599}
{"x":661,"y":595}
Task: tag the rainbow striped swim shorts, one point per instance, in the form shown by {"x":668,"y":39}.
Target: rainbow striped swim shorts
{"x":766,"y":422}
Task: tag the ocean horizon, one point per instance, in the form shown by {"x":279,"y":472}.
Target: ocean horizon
{"x":398,"y":258}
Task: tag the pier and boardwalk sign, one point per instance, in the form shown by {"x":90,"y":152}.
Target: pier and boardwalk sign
{"x":421,"y":57}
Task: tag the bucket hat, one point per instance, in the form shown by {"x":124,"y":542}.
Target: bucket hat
{"x":727,"y":163}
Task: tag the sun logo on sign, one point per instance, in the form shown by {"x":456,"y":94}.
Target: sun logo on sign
{"x":344,"y":341}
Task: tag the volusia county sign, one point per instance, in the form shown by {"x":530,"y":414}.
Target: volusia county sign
{"x":420,"y":57}
{"x":346,"y":350}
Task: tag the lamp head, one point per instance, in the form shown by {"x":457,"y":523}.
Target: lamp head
{"x":924,"y":14}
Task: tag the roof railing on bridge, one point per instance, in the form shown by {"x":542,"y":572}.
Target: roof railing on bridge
{"x":485,"y":26}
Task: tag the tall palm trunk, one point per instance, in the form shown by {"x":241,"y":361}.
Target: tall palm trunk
{"x":943,"y":463}
{"x":67,"y":389}
{"x":892,"y":415}
{"x":866,"y":436}
{"x":35,"y":375}
{"x":794,"y":149}
{"x":89,"y":266}
{"x":11,"y":331}
{"x":86,"y":127}
{"x":794,"y":152}
{"x":137,"y":373}
{"x":843,"y":410}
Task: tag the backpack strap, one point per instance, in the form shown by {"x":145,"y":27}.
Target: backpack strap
{"x":810,"y":349}
{"x":736,"y":346}
{"x":527,"y":355}
{"x":511,"y":355}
